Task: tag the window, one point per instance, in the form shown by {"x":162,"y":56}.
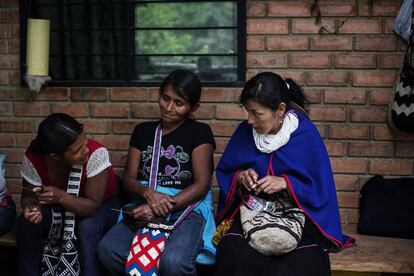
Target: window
{"x":119,"y":42}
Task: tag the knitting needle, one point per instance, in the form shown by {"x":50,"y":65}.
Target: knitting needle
{"x":120,"y":210}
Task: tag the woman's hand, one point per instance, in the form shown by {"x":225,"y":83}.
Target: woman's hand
{"x":270,"y":184}
{"x":50,"y":194}
{"x":248,"y":179}
{"x":160,"y":203}
{"x":142,"y":212}
{"x":33,"y":214}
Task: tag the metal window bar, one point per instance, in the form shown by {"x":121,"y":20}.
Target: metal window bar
{"x":129,"y":78}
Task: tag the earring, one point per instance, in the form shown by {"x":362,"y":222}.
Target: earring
{"x":280,"y":122}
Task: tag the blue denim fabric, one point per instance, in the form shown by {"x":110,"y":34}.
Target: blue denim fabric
{"x":7,"y":216}
{"x":89,"y":230}
{"x":178,"y":257}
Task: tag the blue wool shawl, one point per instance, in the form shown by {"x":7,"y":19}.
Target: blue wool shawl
{"x":303,"y":162}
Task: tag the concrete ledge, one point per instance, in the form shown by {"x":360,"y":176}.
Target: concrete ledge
{"x":375,"y":254}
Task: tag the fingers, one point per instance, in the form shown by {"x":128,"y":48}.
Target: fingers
{"x":248,"y":179}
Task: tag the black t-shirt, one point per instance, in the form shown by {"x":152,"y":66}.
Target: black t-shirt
{"x":175,"y":162}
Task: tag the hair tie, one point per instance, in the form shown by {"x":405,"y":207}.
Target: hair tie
{"x":288,"y":86}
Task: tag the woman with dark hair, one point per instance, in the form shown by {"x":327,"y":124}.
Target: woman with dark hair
{"x":174,"y":155}
{"x":69,"y":188}
{"x":274,"y":161}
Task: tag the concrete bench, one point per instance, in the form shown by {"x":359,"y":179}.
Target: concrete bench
{"x":373,"y":256}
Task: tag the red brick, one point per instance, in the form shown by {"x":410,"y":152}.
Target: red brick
{"x":6,"y":140}
{"x":345,"y":182}
{"x":391,"y":61}
{"x":123,"y":126}
{"x":13,"y":155}
{"x":348,"y":199}
{"x":289,"y":9}
{"x":223,"y":128}
{"x":3,"y":30}
{"x":373,"y":114}
{"x":287,"y":42}
{"x":13,"y":15}
{"x":266,"y":60}
{"x":349,"y":165}
{"x":367,"y":78}
{"x":5,"y":109}
{"x":255,"y":9}
{"x":337,"y":9}
{"x":388,"y":25}
{"x":205,"y":111}
{"x":345,"y":95}
{"x":215,"y":94}
{"x":371,"y":149}
{"x":311,"y":61}
{"x":230,"y":111}
{"x":4,"y":77}
{"x":335,"y":148}
{"x":154,"y":94}
{"x":13,"y":46}
{"x":391,"y":167}
{"x":267,"y":26}
{"x":145,"y":110}
{"x":23,"y":140}
{"x":129,"y":94}
{"x":89,"y":94}
{"x":3,"y":46}
{"x":114,"y":142}
{"x":349,"y":216}
{"x":14,"y":77}
{"x":348,"y":131}
{"x":334,"y":43}
{"x":14,"y":185}
{"x":385,"y":133}
{"x":321,"y":129}
{"x":355,"y":61}
{"x":119,"y":158}
{"x":52,"y":94}
{"x":221,"y":144}
{"x":255,"y":43}
{"x":111,"y":110}
{"x":385,"y":8}
{"x":73,"y":109}
{"x":376,"y":43}
{"x":3,"y":16}
{"x":362,"y":26}
{"x":13,"y":30}
{"x":404,"y":150}
{"x":330,"y":78}
{"x":308,"y":26}
{"x":31,"y":109}
{"x":12,"y":170}
{"x":95,"y":127}
{"x":313,"y":95}
{"x":15,"y":94}
{"x":380,"y":96}
{"x":16,"y":125}
{"x":327,"y":113}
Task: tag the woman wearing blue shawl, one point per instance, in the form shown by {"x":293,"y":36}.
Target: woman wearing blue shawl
{"x":278,"y":153}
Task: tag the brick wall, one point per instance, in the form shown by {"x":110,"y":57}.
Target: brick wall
{"x":348,"y":78}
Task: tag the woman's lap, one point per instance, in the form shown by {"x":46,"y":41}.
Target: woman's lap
{"x":179,"y":254}
{"x":236,"y":257}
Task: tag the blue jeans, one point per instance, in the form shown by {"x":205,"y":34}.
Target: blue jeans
{"x":7,"y":216}
{"x":178,"y":257}
{"x":89,"y":230}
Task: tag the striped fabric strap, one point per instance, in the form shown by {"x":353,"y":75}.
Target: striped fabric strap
{"x":156,"y":150}
{"x":75,"y":176}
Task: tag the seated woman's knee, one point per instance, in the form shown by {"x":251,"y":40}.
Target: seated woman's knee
{"x":174,"y":263}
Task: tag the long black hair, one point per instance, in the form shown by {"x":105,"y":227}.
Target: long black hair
{"x":270,"y":89}
{"x":185,"y":83}
{"x":56,"y":133}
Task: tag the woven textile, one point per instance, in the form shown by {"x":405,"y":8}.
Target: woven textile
{"x":60,"y":255}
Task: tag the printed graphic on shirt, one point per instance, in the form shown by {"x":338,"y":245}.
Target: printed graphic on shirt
{"x":170,"y":165}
